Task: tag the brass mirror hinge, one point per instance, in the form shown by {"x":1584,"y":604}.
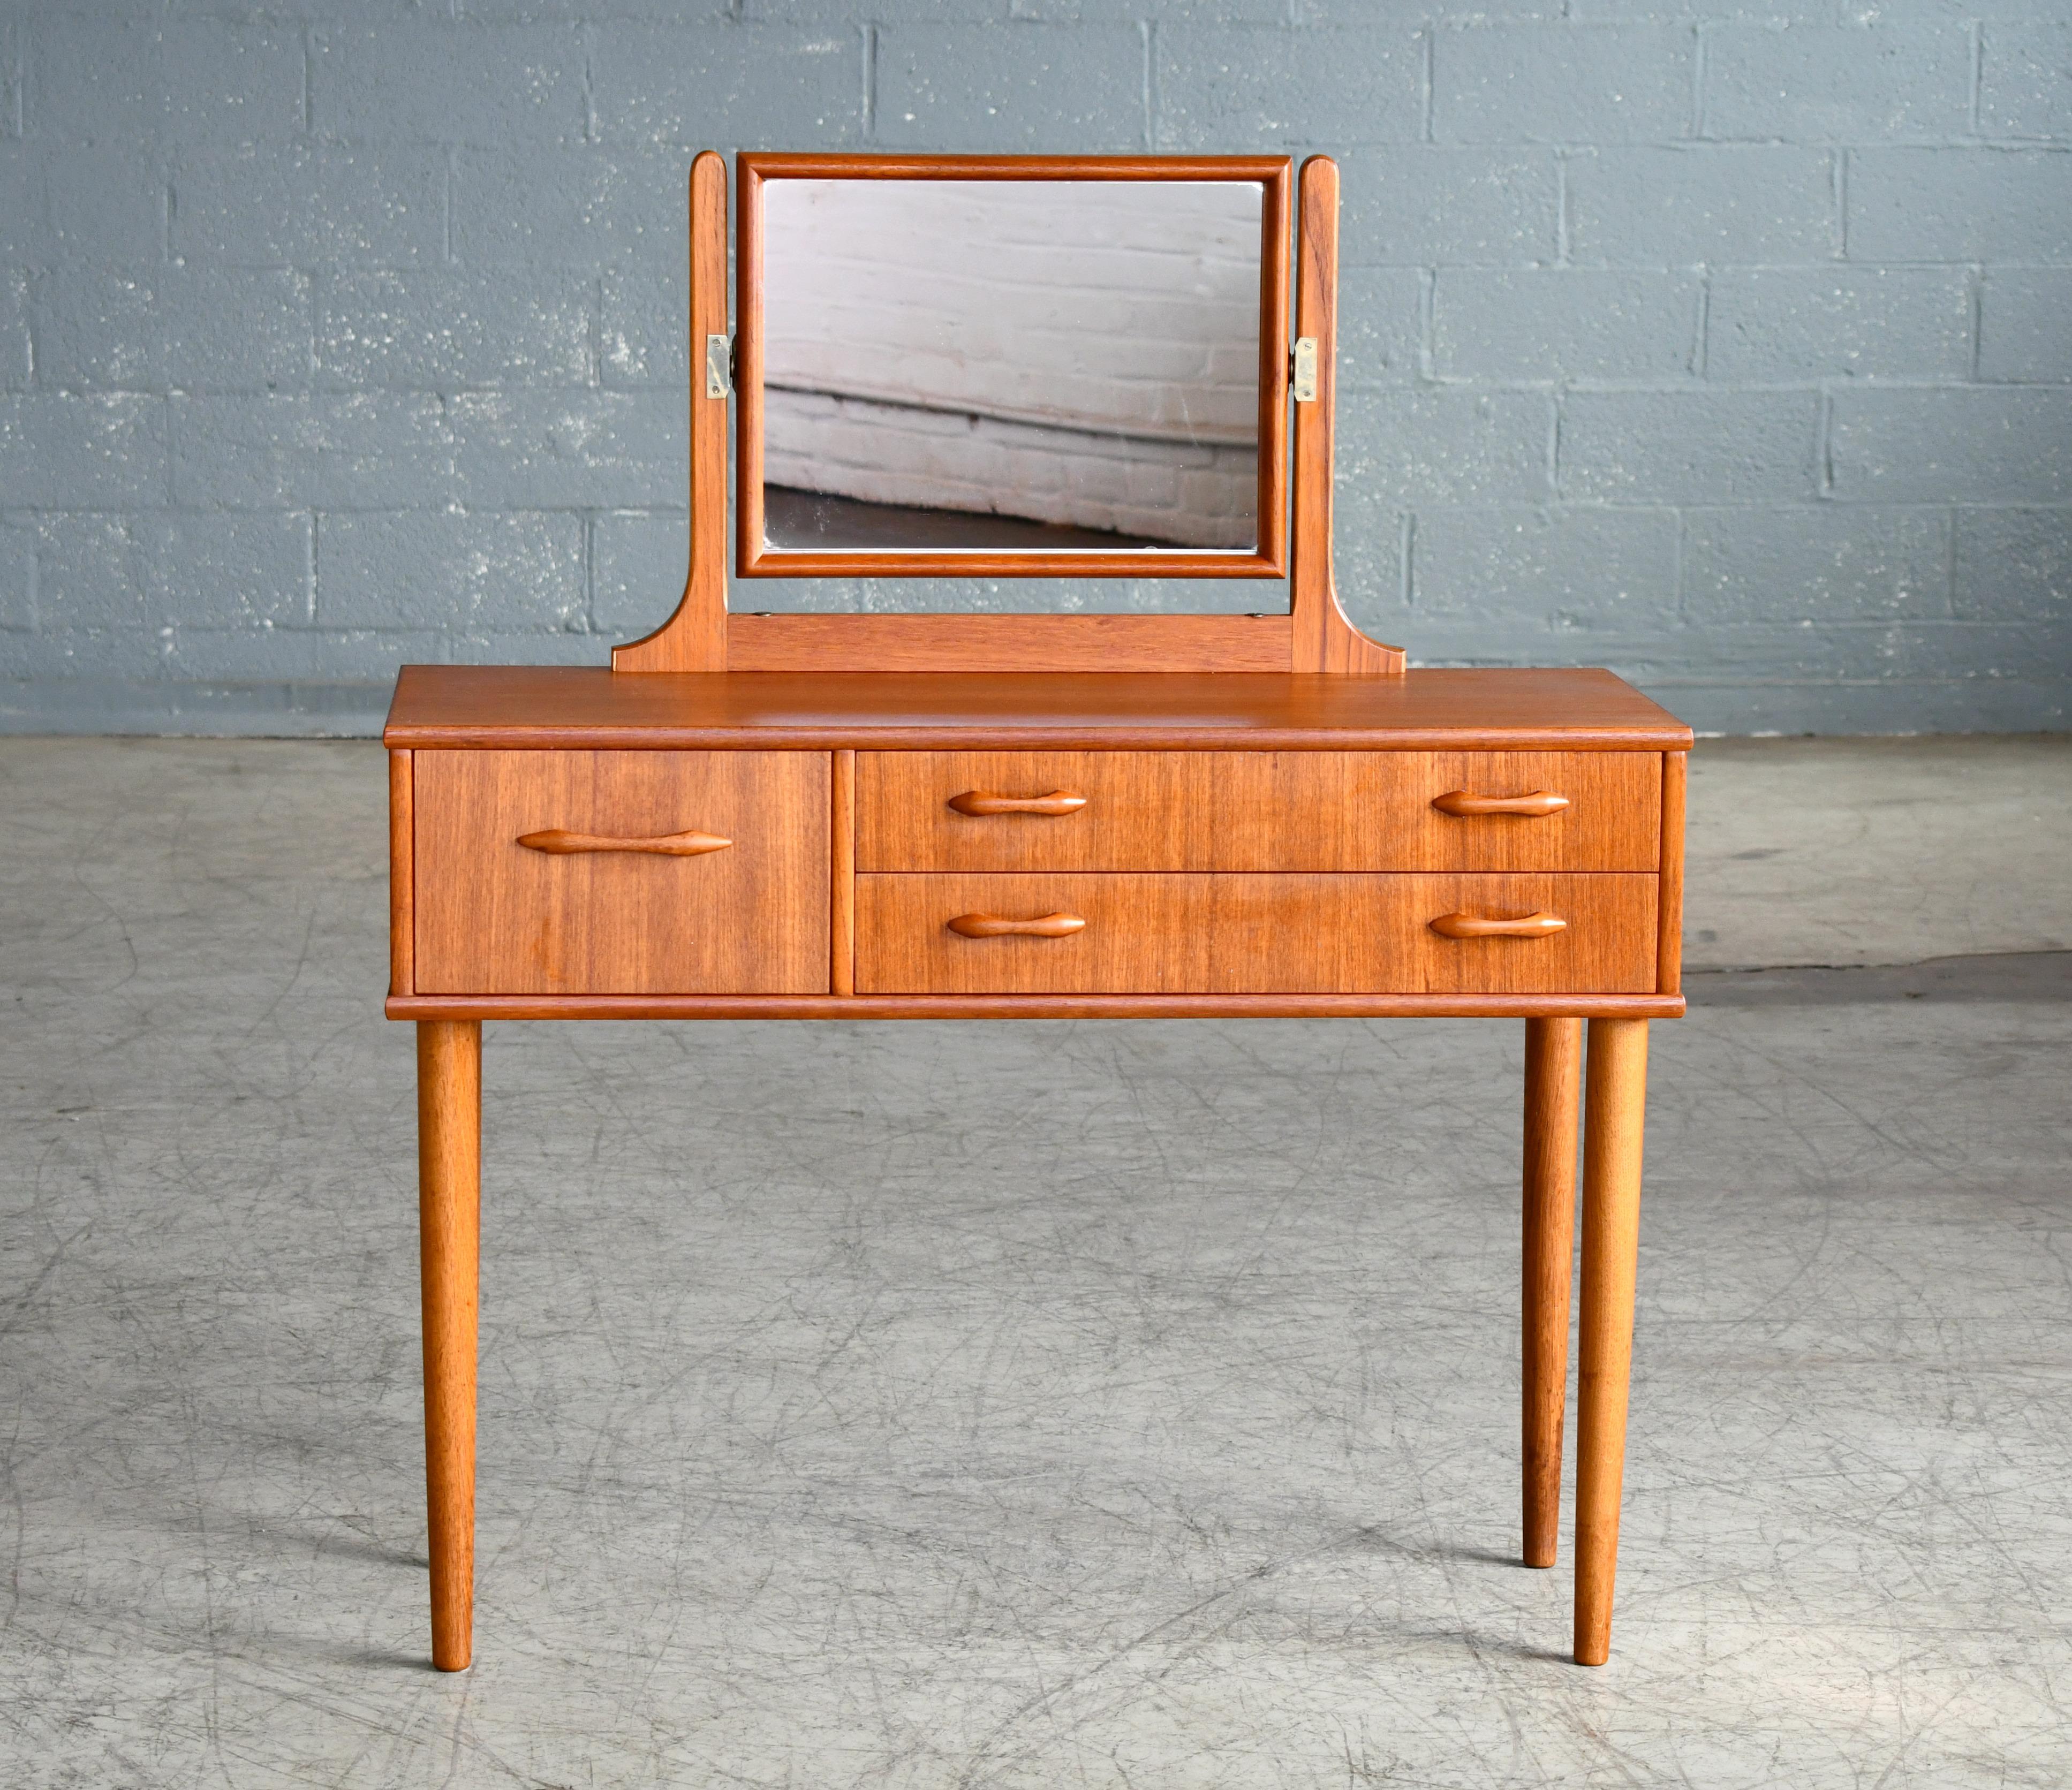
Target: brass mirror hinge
{"x":1305,"y":369}
{"x":719,"y":367}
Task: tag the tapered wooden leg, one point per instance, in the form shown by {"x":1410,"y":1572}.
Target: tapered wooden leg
{"x":1616,"y":1106}
{"x":449,"y":1226}
{"x":1553,"y":1060}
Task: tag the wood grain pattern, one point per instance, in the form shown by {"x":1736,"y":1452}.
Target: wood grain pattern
{"x":449,"y":1229}
{"x":1273,"y":372}
{"x":1256,"y":812}
{"x":841,"y":894}
{"x":1553,"y":1059}
{"x":694,"y":638}
{"x":1615,"y":1118}
{"x":1254,"y":934}
{"x":1441,"y":710}
{"x":755,"y":558}
{"x":1321,"y":638}
{"x":749,"y":524}
{"x":1669,"y":913}
{"x":496,"y":918}
{"x":1034,"y":1007}
{"x":1028,"y":643}
{"x":402,"y":898}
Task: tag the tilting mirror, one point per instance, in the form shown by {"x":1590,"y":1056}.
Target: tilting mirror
{"x":950,"y":365}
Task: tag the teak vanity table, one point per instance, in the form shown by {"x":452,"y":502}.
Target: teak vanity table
{"x":818,"y":816}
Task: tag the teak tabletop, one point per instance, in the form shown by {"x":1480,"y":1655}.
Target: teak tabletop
{"x":575,"y":707}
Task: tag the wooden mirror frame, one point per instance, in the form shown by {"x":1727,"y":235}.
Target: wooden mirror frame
{"x":753,"y":558}
{"x":1311,"y":635}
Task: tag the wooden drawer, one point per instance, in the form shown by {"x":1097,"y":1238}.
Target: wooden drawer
{"x":1258,"y":810}
{"x":496,"y":916}
{"x":1255,"y":935}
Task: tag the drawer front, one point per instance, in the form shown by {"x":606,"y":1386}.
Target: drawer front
{"x":497,"y":917}
{"x":1253,"y":935}
{"x":1257,"y":810}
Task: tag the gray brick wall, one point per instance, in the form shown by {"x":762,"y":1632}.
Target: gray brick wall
{"x":1729,"y":346}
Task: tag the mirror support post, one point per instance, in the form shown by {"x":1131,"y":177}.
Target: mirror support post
{"x":1323,"y":640}
{"x":694,"y":638}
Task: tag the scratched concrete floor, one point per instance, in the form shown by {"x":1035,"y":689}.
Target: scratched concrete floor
{"x":1002,"y":1405}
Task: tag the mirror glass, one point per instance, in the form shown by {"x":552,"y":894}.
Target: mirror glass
{"x":1007,"y":366}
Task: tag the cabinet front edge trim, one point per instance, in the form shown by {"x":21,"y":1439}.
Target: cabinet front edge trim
{"x":459,"y":736}
{"x":1032,"y":1006}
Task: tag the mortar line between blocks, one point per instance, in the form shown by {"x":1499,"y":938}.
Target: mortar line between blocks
{"x":1976,"y":283}
{"x":1678,"y":596}
{"x":1839,"y":178}
{"x":1428,"y":58}
{"x":869,"y":83}
{"x":589,"y":36}
{"x":589,"y":571}
{"x":1698,"y":44}
{"x":1147,"y":30}
{"x":1977,"y":108}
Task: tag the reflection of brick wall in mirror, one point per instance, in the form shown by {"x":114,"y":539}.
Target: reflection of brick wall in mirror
{"x":1074,"y":354}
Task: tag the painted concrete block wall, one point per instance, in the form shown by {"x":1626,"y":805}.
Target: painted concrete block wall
{"x":1730,"y":347}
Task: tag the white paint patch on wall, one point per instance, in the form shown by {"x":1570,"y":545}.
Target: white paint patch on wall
{"x":1072,"y":351}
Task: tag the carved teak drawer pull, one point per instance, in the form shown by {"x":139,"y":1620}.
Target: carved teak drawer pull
{"x":992,"y":925}
{"x":1468,"y":925}
{"x":1539,"y":803}
{"x":985,"y":802}
{"x":561,"y":843}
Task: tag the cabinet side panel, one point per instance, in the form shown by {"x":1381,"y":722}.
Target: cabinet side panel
{"x":1669,"y":907}
{"x":402,"y":877}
